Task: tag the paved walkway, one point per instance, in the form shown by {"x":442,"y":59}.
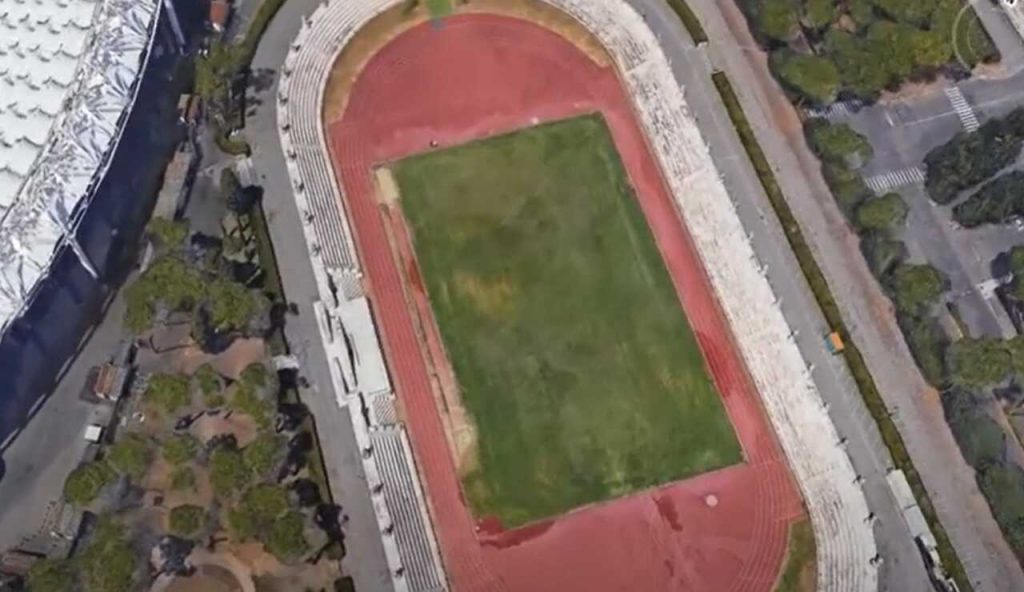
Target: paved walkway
{"x":918,"y":412}
{"x":365,"y":560}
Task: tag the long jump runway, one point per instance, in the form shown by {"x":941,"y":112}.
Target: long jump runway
{"x":479,"y":75}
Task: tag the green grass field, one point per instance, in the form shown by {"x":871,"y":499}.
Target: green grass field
{"x":569,"y":344}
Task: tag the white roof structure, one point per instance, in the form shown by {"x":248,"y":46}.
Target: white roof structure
{"x":68,"y":72}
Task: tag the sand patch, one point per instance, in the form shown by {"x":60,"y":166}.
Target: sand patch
{"x":387,"y":188}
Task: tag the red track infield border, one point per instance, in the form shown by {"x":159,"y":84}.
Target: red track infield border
{"x":479,"y":75}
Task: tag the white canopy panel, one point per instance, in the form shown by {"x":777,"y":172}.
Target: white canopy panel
{"x":68,"y":72}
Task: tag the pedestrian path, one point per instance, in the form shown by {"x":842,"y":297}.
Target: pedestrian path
{"x":963,"y":109}
{"x":832,"y":112}
{"x":894,"y":179}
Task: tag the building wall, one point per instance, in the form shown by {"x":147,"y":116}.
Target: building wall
{"x":69,"y":302}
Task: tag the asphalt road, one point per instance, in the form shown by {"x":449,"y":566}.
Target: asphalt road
{"x":365,"y":560}
{"x":916,"y":408}
{"x":902,"y":132}
{"x":52,"y":443}
{"x":903,"y":569}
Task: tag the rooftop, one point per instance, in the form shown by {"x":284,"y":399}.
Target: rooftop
{"x":67,"y":74}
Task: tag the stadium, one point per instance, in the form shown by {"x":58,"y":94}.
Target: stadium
{"x":564,"y":364}
{"x":87,"y":123}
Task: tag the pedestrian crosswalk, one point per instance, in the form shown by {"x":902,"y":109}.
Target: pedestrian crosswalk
{"x":963,"y":109}
{"x":892,"y":180}
{"x":834,"y":111}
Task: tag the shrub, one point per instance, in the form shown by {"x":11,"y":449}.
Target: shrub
{"x":208,"y":380}
{"x":255,"y":375}
{"x":265,"y":503}
{"x":84,"y":483}
{"x":130,"y":456}
{"x":180,"y":449}
{"x":168,"y":392}
{"x":285,"y":539}
{"x":228,"y":474}
{"x":108,"y":563}
{"x":262,"y":453}
{"x":881,"y":213}
{"x":246,"y":400}
{"x":186,"y":521}
{"x":50,"y":575}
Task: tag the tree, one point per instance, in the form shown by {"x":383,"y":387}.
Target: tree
{"x":84,"y":483}
{"x":847,"y":187}
{"x":819,"y":13}
{"x":130,"y":456}
{"x":230,"y":305}
{"x":1016,"y":256}
{"x":916,"y":287}
{"x":246,"y":400}
{"x":812,"y":76}
{"x":997,"y":202}
{"x":50,"y":575}
{"x":979,"y":362}
{"x":777,"y":19}
{"x":262,"y":453}
{"x":168,"y":281}
{"x":927,"y":342}
{"x":108,"y":563}
{"x":168,"y":392}
{"x":180,"y":449}
{"x":242,"y":524}
{"x":931,"y":49}
{"x":186,"y":521}
{"x":285,"y":539}
{"x":970,"y":158}
{"x":266,"y":503}
{"x":838,"y":143}
{"x":881,"y":252}
{"x":882,"y":213}
{"x":255,"y":375}
{"x":208,"y":380}
{"x":915,"y":12}
{"x":228,"y":474}
{"x":890,"y":47}
{"x":168,"y":234}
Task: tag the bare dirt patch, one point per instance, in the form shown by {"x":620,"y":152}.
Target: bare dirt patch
{"x":387,"y":189}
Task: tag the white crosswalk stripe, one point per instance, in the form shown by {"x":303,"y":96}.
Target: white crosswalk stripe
{"x":892,"y":180}
{"x":832,"y":112}
{"x":963,"y":109}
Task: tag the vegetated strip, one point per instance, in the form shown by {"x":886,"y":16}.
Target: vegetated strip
{"x":690,"y":21}
{"x":800,"y":556}
{"x":819,"y":286}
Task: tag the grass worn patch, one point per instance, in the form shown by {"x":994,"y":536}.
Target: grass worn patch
{"x":439,"y":8}
{"x":798,"y":574}
{"x":568,"y":341}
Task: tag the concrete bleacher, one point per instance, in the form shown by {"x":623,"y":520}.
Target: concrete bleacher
{"x":835,"y":502}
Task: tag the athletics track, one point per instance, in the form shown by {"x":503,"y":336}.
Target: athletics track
{"x":476,"y":76}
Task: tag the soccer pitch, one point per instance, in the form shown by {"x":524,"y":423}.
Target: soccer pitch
{"x":568,"y":342}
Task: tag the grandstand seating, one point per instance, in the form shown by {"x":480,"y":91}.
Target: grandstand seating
{"x":823,"y":471}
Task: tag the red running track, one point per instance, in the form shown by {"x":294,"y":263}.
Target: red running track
{"x":479,"y":75}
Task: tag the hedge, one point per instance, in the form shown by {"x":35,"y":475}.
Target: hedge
{"x":822,"y":293}
{"x":690,"y":21}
